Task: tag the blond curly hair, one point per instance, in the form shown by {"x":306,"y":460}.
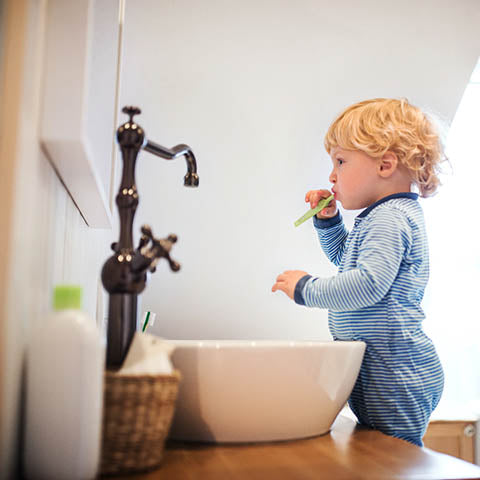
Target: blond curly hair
{"x":384,"y":124}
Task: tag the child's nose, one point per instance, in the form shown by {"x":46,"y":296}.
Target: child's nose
{"x":333,"y":177}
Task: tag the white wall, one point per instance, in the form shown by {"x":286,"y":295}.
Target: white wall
{"x":252,"y":86}
{"x":50,"y":242}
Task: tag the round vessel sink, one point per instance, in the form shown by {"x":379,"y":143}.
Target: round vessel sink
{"x":258,"y":391}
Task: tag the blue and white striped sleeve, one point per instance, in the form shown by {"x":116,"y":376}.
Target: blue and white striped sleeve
{"x":387,"y":236}
{"x":332,"y":235}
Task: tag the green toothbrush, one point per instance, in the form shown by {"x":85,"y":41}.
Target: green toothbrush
{"x":313,"y":211}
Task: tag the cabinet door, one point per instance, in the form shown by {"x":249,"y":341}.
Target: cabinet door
{"x":81,"y":67}
{"x":456,"y":438}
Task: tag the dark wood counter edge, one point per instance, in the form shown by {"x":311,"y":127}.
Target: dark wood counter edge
{"x":348,"y":452}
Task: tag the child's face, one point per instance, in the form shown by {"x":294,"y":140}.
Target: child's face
{"x":355,"y":178}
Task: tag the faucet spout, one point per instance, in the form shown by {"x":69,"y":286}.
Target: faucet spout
{"x":191,"y":178}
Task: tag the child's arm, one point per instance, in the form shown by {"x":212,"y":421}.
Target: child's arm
{"x":328,"y":216}
{"x":332,"y":235}
{"x":380,"y":254}
{"x":331,"y":231}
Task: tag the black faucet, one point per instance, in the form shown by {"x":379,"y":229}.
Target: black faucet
{"x":124,"y":274}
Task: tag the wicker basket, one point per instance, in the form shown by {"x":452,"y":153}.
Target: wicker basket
{"x":138,"y":411}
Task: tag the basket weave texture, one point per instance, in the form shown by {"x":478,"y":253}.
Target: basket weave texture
{"x":137,"y":414}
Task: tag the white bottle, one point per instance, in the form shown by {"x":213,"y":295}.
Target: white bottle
{"x":64,"y":394}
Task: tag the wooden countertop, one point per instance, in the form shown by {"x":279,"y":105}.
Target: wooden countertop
{"x":348,"y":452}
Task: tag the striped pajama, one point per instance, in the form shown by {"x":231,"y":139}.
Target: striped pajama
{"x":375,"y":297}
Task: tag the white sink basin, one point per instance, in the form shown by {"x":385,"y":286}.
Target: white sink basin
{"x":257,"y":391}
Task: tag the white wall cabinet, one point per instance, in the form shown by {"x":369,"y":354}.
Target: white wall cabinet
{"x":78,"y":114}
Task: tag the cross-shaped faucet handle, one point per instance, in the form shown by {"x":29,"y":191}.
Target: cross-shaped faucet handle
{"x":160,"y":248}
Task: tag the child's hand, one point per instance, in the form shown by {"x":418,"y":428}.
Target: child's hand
{"x":314,"y":196}
{"x":287,"y":281}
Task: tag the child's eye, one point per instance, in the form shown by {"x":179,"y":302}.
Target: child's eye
{"x":340,"y":161}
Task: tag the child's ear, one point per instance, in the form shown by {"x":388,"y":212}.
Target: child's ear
{"x":387,"y":164}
